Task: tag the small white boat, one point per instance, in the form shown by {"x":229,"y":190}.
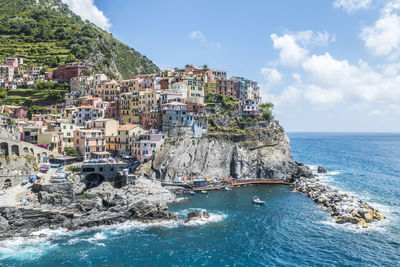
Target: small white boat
{"x":204,"y":192}
{"x":256,"y":200}
{"x":228,"y":188}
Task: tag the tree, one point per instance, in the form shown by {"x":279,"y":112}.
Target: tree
{"x":3,"y":93}
{"x":86,"y":72}
{"x":71,"y":152}
{"x":266,"y":111}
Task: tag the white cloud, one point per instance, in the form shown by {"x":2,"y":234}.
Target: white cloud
{"x":198,"y":35}
{"x":352,"y":5}
{"x":290,"y":53}
{"x":87,"y":10}
{"x":383,"y":38}
{"x":318,"y":95}
{"x":327,"y":80}
{"x":271,"y":76}
{"x":288,"y":96}
{"x":310,"y":38}
{"x":356,"y":83}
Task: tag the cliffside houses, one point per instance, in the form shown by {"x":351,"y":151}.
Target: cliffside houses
{"x":132,"y":117}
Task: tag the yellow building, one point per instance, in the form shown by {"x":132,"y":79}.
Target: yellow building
{"x":67,"y":129}
{"x":108,"y":91}
{"x":126,"y":135}
{"x":112,"y":145}
{"x":51,"y":140}
{"x":195,"y":88}
{"x":148,"y":100}
{"x":129,"y":86}
{"x":211,"y":88}
{"x":129,"y":107}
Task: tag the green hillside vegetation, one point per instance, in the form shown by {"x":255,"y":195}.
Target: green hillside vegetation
{"x":48,"y":33}
{"x":44,"y":94}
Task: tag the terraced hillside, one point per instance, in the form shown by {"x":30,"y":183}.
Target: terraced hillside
{"x":48,"y":33}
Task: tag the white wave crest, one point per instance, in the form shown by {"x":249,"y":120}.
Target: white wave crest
{"x":378,"y":226}
{"x":214,"y":218}
{"x":24,"y":249}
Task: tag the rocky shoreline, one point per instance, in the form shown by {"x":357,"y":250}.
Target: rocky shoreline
{"x":343,"y":208}
{"x":144,"y":200}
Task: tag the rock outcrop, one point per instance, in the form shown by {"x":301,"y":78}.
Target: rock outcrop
{"x":343,"y":207}
{"x":255,"y":152}
{"x":143,"y":200}
{"x":197,"y":216}
{"x":321,"y":170}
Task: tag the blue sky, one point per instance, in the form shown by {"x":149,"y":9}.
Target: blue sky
{"x":327,"y":65}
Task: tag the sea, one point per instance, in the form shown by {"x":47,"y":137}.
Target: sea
{"x":290,"y":230}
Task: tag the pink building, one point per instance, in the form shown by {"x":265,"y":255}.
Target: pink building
{"x":249,"y":107}
{"x":15,"y":112}
{"x":90,"y":143}
{"x":68,"y":71}
{"x":13,"y":62}
{"x":145,"y":83}
{"x":96,"y":102}
{"x":147,"y":145}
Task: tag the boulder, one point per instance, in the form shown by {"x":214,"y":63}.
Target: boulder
{"x":197,"y":215}
{"x":4,"y":226}
{"x":322,"y":170}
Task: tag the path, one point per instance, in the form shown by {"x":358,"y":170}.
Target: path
{"x":14,"y":194}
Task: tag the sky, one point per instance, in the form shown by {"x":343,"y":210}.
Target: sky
{"x":330,"y":65}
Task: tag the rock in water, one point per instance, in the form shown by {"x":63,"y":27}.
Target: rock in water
{"x":322,"y":170}
{"x":197,"y":215}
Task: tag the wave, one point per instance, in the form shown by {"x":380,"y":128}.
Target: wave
{"x":214,"y":218}
{"x":24,"y":249}
{"x":378,"y":226}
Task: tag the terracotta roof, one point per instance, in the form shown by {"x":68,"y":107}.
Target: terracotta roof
{"x":87,"y":106}
{"x":127,"y":127}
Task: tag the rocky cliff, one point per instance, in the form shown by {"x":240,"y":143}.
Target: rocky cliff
{"x":253,"y":148}
{"x":143,"y":200}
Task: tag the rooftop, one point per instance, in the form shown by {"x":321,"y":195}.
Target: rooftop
{"x":128,"y":127}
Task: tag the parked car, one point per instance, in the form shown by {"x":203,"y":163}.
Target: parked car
{"x":25,"y":181}
{"x":44,"y":168}
{"x":55,"y":165}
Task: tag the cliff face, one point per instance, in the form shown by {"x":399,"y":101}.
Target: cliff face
{"x":256,"y":152}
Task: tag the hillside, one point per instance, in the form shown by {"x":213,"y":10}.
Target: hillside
{"x":48,"y":33}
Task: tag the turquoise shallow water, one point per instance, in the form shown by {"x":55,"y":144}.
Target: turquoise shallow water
{"x":290,"y":230}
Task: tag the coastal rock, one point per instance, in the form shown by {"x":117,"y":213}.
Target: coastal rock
{"x":4,"y":226}
{"x":144,"y":200}
{"x":321,"y":170}
{"x":197,"y":215}
{"x":55,"y":194}
{"x":344,"y":208}
{"x":262,"y":153}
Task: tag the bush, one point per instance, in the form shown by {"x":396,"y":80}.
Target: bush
{"x":212,"y":122}
{"x":266,"y":111}
{"x":71,"y":152}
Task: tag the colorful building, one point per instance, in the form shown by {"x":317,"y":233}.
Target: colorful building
{"x":249,"y":107}
{"x":126,"y":135}
{"x":148,"y":143}
{"x":90,"y":143}
{"x":211,"y":87}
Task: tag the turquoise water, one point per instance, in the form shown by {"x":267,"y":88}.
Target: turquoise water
{"x":291,"y":230}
